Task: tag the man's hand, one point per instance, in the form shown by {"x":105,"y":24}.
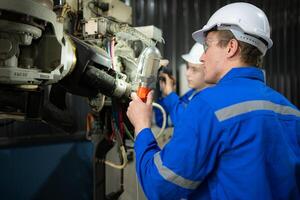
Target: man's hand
{"x":140,"y":113}
{"x":166,"y":84}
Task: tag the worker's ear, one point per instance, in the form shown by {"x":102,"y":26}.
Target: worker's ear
{"x":232,"y":48}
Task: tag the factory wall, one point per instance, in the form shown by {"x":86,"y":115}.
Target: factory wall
{"x":178,"y":19}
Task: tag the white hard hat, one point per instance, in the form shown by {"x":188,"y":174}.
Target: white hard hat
{"x":194,"y":55}
{"x":247,"y":23}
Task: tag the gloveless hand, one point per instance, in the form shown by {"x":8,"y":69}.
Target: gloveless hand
{"x":140,"y":113}
{"x":167,"y":85}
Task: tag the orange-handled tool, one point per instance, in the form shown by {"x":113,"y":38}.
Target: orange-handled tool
{"x":142,"y":92}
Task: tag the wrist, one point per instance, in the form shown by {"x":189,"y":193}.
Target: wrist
{"x":138,"y":130}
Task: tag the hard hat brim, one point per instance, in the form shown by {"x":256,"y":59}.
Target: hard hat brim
{"x":188,"y":58}
{"x":198,"y":36}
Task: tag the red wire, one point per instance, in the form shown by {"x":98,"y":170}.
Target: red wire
{"x":89,"y":122}
{"x":112,"y":136}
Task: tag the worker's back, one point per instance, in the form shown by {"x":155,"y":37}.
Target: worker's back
{"x":260,"y":157}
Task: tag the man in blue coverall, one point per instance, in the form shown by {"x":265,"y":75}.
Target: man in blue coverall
{"x":239,"y":139}
{"x":170,"y":101}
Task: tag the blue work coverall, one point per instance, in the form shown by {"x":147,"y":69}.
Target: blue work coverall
{"x":236,"y":140}
{"x":174,"y":106}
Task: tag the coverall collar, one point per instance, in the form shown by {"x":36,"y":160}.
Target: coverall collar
{"x":244,"y":72}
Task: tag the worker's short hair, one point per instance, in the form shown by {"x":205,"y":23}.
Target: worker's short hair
{"x":249,"y":54}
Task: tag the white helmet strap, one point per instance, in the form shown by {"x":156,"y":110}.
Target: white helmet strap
{"x":240,"y":35}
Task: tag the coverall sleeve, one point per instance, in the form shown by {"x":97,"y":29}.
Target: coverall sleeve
{"x":178,"y":169}
{"x":175,"y":106}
